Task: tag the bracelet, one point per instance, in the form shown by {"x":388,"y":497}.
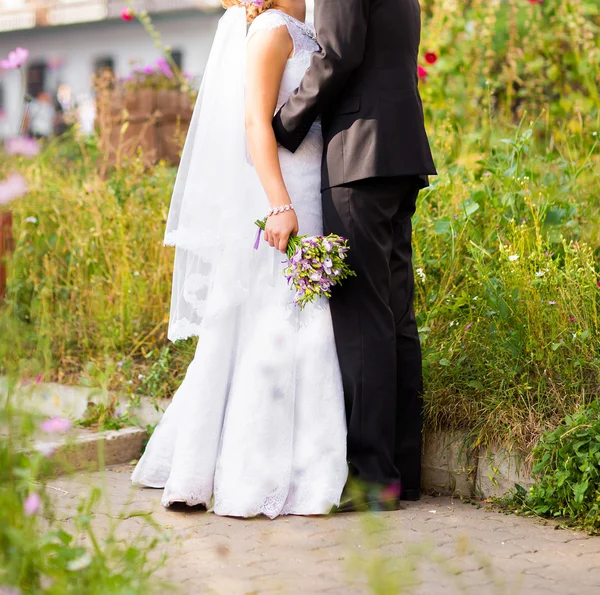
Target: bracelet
{"x":278,"y":210}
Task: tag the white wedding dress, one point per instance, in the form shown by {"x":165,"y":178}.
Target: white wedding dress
{"x":258,"y":425}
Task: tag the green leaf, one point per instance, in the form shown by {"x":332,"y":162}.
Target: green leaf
{"x":475,"y":384}
{"x":442,"y":226}
{"x":579,"y":490}
{"x":469,"y":206}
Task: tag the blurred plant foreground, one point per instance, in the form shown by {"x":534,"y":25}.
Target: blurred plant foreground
{"x":506,"y":244}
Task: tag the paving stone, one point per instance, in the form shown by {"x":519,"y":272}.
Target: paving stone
{"x":455,"y":547}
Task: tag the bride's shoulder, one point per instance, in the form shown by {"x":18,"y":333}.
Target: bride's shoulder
{"x":267,"y":20}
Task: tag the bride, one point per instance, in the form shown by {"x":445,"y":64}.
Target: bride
{"x":258,"y":424}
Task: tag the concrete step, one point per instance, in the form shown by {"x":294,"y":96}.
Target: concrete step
{"x":450,"y":465}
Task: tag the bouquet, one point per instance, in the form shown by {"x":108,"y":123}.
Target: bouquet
{"x":315,"y":264}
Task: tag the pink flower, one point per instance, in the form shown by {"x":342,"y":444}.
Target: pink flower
{"x":38,"y":379}
{"x":32,"y":504}
{"x":422,"y":73}
{"x":431,"y":57}
{"x":572,"y":319}
{"x":9,"y":591}
{"x":56,"y":425}
{"x":21,"y":145}
{"x":535,"y":1}
{"x":127,"y":14}
{"x":551,"y":303}
{"x":468,"y":326}
{"x":164,"y":67}
{"x":15,"y":59}
{"x":12,"y":187}
{"x":148,"y":70}
{"x":598,"y":283}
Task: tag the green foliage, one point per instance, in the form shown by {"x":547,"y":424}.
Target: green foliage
{"x":42,"y":553}
{"x":507,"y":289}
{"x":512,"y":57}
{"x":567,"y":470}
{"x":506,"y":241}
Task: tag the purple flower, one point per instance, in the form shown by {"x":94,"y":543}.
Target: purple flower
{"x":15,"y":59}
{"x":12,"y":187}
{"x":164,"y":67}
{"x":9,"y":591}
{"x":150,"y":69}
{"x":32,"y":504}
{"x":20,"y":145}
{"x":56,"y":425}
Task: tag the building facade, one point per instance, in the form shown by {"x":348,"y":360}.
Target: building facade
{"x":70,"y":40}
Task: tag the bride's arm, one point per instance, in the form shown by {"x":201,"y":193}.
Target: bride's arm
{"x":267,"y":55}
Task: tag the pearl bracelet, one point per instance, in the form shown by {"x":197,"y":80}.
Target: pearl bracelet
{"x":278,"y":210}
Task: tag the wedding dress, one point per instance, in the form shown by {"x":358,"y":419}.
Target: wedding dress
{"x":258,"y":424}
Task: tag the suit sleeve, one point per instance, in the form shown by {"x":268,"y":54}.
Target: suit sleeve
{"x":342,"y":31}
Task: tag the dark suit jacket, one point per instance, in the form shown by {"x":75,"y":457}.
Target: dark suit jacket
{"x":364,"y":85}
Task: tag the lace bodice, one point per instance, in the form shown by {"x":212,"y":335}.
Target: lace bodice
{"x":305,"y":44}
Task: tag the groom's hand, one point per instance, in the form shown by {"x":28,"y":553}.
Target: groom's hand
{"x":279,"y":228}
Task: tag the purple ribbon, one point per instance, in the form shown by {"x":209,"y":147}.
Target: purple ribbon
{"x":257,"y":242}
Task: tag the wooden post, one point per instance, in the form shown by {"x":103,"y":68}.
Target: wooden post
{"x":6,"y":247}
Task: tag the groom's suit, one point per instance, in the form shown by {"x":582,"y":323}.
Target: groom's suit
{"x":364,"y":85}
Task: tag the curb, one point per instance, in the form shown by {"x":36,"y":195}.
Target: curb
{"x":88,"y":449}
{"x":451,"y":467}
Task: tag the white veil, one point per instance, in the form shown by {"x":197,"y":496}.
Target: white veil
{"x":213,"y":208}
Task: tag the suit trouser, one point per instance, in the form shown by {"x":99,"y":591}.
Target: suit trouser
{"x":375,"y":328}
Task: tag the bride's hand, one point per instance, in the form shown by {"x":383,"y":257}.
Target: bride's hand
{"x":279,"y":228}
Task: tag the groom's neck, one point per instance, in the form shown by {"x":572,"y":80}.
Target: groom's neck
{"x":295,"y":8}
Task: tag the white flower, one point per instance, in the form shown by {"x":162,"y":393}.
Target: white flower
{"x":80,"y":563}
{"x":31,"y":220}
{"x":513,"y":257}
{"x":421,"y":275}
{"x":540,"y":273}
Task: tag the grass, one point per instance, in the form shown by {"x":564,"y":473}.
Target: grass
{"x":506,"y":241}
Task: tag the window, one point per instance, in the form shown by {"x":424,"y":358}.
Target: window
{"x":104,"y":62}
{"x":177,"y":56}
{"x":36,"y":78}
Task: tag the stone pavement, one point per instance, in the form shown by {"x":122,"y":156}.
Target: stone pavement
{"x":436,"y":546}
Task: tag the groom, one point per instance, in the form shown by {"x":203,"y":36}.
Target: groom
{"x":363,"y":84}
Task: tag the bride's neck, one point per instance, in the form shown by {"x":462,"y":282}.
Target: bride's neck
{"x":295,"y":8}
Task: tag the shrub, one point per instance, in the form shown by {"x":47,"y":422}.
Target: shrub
{"x":567,"y":470}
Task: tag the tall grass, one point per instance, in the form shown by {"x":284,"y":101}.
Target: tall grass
{"x":506,"y":238}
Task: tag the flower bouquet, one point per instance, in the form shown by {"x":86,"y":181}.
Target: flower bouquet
{"x":315,"y":264}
